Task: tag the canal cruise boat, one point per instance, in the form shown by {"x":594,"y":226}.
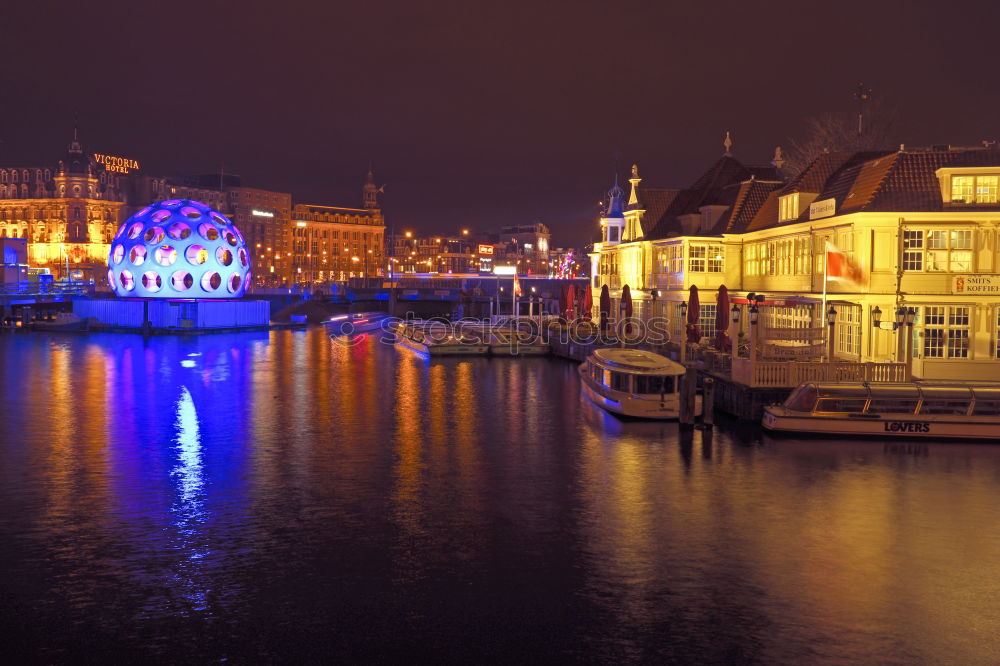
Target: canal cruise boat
{"x":923,"y":409}
{"x":356,"y":323}
{"x":633,"y":382}
{"x":439,"y":339}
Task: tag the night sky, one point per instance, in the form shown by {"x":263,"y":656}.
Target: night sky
{"x":478,"y":114}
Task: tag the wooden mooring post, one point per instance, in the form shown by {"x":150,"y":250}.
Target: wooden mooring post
{"x":708,"y":402}
{"x":687,"y":396}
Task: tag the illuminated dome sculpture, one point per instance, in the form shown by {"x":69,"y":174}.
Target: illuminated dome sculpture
{"x":179,"y":249}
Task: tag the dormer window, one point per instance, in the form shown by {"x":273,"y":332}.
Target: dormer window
{"x":974,"y":189}
{"x":788,"y":207}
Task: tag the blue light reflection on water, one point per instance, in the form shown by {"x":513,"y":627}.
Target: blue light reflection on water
{"x":267,"y":496}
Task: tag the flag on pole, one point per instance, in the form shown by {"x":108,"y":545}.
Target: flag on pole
{"x":517,"y":286}
{"x":841,"y":267}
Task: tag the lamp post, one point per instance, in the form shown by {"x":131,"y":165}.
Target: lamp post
{"x":683,"y":308}
{"x":908,"y":317}
{"x":831,"y":319}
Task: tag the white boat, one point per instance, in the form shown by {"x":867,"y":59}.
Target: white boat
{"x":925,"y":409}
{"x":439,"y":339}
{"x":507,"y":341}
{"x":62,"y":321}
{"x":633,"y":382}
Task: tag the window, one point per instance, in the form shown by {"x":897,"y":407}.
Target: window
{"x":945,"y":330}
{"x":706,"y":320}
{"x":944,"y":407}
{"x":848,"y":329}
{"x":996,"y":338}
{"x":892,"y":406}
{"x":840,"y":405}
{"x":913,"y":245}
{"x":696,"y":258}
{"x":653,"y":385}
{"x":974,"y":189}
{"x":789,"y":207}
{"x":949,"y":251}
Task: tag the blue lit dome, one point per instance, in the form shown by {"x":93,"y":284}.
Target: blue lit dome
{"x":179,"y":249}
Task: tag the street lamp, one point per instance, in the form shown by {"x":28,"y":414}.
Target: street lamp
{"x":754,"y":314}
{"x":831,"y":319}
{"x":735,"y":313}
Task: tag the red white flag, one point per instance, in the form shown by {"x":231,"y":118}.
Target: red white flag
{"x":841,"y":267}
{"x":517,"y":286}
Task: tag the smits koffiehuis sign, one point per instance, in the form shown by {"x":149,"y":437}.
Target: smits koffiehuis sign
{"x":116,"y":164}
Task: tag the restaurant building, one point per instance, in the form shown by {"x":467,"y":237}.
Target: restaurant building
{"x":919,"y":231}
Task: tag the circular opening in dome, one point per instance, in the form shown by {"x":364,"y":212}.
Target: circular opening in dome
{"x":165,"y":255}
{"x":126,"y":280}
{"x":181,"y":280}
{"x":224,"y":256}
{"x":117,"y":253}
{"x":219,"y":219}
{"x":153,"y":235}
{"x":179,"y":231}
{"x":137,"y":255}
{"x":242,"y":254}
{"x":190,"y":211}
{"x":234,"y":282}
{"x":144,"y":211}
{"x":230,"y":238}
{"x":247,"y":279}
{"x":211,"y":281}
{"x":171,"y":203}
{"x":135,"y":230}
{"x":151,"y":281}
{"x":204,"y":208}
{"x":208,"y":232}
{"x":111,"y":279}
{"x":196,"y":254}
{"x":161,"y":215}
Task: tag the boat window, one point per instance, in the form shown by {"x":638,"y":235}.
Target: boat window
{"x":944,"y":407}
{"x":619,"y":382}
{"x":840,"y":405}
{"x":986,"y":408}
{"x":892,"y":406}
{"x":595,"y":372}
{"x":606,"y":380}
{"x":653,"y":384}
{"x":803,"y":399}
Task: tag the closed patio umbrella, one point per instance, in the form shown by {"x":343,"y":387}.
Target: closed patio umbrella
{"x":563,"y":301}
{"x":626,"y":306}
{"x":588,"y":302}
{"x":722,"y":341}
{"x":571,"y":302}
{"x":693,"y":314}
{"x":605,"y":306}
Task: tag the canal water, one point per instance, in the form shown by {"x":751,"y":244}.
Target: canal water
{"x":283,"y":496}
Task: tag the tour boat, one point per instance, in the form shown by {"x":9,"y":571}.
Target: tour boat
{"x":633,"y":382}
{"x":507,"y":341}
{"x":357,"y":322}
{"x":439,"y":339}
{"x":921,"y":409}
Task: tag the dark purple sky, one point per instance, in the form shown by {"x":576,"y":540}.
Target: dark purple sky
{"x":478,"y":114}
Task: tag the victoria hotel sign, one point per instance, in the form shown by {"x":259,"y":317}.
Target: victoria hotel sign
{"x":117,"y":164}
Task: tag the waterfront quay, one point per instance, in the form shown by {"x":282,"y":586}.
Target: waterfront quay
{"x":285,"y":496}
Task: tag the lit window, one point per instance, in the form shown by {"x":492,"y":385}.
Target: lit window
{"x":789,"y":207}
{"x":974,"y":189}
{"x":945,"y":331}
{"x":949,"y":251}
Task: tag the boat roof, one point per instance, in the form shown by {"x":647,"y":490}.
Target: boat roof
{"x":636,"y":361}
{"x":942,"y":390}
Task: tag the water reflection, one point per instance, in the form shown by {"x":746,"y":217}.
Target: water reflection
{"x":283,"y":497}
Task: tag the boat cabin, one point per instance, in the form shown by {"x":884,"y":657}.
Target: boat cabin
{"x":941,"y":398}
{"x":635,"y":371}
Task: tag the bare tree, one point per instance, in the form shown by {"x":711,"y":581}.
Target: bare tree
{"x":834,"y":132}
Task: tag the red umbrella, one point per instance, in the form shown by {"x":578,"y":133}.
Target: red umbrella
{"x":571,"y":302}
{"x":626,"y":305}
{"x":588,"y":302}
{"x":693,"y":314}
{"x":605,"y":306}
{"x":722,"y":342}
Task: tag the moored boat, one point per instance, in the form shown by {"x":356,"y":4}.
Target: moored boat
{"x":633,"y":382}
{"x":922,"y":409}
{"x":439,"y":339}
{"x":63,"y":321}
{"x":357,"y":322}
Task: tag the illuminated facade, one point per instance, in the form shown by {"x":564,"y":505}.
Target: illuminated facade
{"x":334,"y":243}
{"x":178,"y":248}
{"x":67,"y":214}
{"x":923,"y":227}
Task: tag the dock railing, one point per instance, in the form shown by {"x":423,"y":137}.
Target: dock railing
{"x":793,"y":373}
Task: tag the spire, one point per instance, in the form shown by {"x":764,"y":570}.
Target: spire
{"x":75,"y":146}
{"x":727,"y":143}
{"x":615,"y":196}
{"x":633,"y":197}
{"x":369,"y":191}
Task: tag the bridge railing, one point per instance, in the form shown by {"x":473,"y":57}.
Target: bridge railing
{"x":43,"y":289}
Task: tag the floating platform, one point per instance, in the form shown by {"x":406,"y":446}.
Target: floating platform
{"x":173,"y":315}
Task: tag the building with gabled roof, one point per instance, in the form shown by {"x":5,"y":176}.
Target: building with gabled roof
{"x":919,"y":229}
